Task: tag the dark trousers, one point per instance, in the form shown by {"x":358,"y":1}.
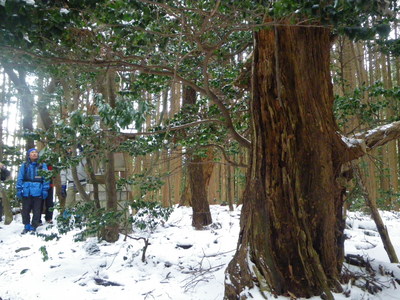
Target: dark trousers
{"x":48,"y":204}
{"x":33,"y":204}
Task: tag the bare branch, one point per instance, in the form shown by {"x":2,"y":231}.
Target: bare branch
{"x":187,"y":125}
{"x":235,"y":164}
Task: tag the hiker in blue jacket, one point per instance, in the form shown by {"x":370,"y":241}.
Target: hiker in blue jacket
{"x":32,"y":189}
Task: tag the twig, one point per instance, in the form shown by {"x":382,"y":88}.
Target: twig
{"x":199,"y":276}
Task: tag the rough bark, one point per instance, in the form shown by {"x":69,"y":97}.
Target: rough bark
{"x":201,"y":208}
{"x":198,"y":176}
{"x":291,"y":235}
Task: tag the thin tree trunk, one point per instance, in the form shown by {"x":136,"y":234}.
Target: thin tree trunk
{"x":198,"y":177}
{"x":107,"y":87}
{"x":230,"y":188}
{"x":111,"y":231}
{"x":176,"y":163}
{"x":26,"y":101}
{"x":370,"y":169}
{"x":93,"y":181}
{"x":371,"y":202}
{"x":390,"y":157}
{"x":201,"y":209}
{"x":4,"y":201}
{"x":166,"y":188}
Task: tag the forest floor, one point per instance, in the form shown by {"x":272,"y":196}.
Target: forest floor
{"x":181,"y":263}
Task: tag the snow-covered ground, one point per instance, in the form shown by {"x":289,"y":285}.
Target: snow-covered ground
{"x":181,"y":263}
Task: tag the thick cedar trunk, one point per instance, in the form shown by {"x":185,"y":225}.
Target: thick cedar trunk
{"x":291,"y":223}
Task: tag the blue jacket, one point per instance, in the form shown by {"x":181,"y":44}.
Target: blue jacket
{"x":29,"y":183}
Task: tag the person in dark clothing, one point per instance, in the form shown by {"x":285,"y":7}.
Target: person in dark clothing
{"x":48,"y":202}
{"x":32,"y":188}
{"x":4,"y":174}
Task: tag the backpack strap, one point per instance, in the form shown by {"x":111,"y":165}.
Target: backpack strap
{"x":26,"y":177}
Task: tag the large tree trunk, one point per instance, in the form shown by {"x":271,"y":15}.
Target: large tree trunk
{"x":291,"y":236}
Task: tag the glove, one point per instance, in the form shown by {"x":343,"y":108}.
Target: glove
{"x":19,"y":195}
{"x":64,"y":190}
{"x":45,"y":194}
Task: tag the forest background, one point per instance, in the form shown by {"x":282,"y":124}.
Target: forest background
{"x":202,"y":102}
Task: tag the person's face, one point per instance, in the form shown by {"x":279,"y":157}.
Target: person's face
{"x":33,"y":155}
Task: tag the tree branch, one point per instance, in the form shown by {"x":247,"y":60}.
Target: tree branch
{"x":363,"y":142}
{"x":128,"y":135}
{"x":235,"y":164}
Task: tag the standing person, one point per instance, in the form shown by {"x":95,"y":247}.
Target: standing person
{"x":32,"y":189}
{"x":4,"y":174}
{"x":49,"y":202}
{"x":68,"y":187}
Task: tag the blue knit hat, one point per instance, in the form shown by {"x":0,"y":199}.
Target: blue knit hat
{"x":30,"y":150}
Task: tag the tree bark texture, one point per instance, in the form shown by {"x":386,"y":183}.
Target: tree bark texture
{"x":291,"y":235}
{"x":198,"y":175}
{"x":200,"y":205}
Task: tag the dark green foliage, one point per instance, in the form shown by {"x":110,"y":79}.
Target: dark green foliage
{"x":390,"y":46}
{"x":45,"y":254}
{"x":358,"y":19}
{"x":149,"y":215}
{"x":348,"y":106}
{"x":126,"y":112}
{"x":145,"y":183}
{"x":88,"y":219}
{"x":82,"y":129}
{"x":48,"y":237}
{"x":91,"y":221}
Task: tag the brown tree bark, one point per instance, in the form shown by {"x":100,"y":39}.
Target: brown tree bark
{"x":111,"y":231}
{"x":198,"y":177}
{"x":201,"y":208}
{"x":176,"y":161}
{"x":291,"y":235}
